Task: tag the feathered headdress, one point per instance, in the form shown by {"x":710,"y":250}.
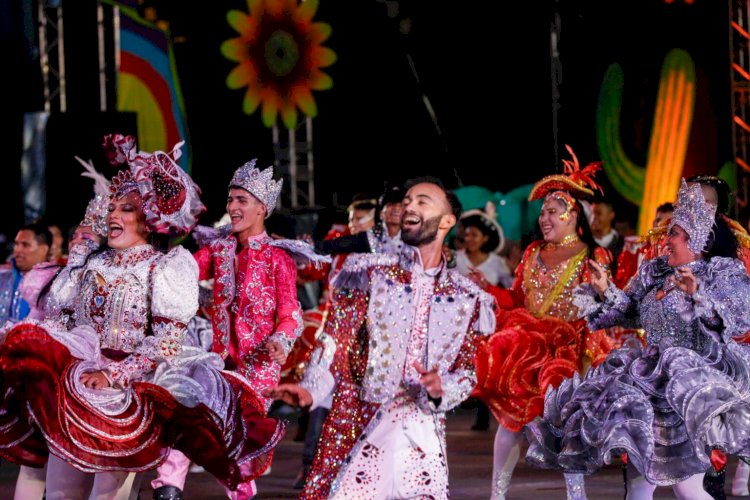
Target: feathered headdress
{"x":577,"y":181}
{"x":171,"y":200}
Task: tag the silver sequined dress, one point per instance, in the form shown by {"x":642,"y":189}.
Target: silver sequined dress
{"x":666,"y":405}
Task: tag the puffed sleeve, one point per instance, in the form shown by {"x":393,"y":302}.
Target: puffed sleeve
{"x":205,"y":263}
{"x":722,"y":299}
{"x":174,"y":301}
{"x":32,"y":286}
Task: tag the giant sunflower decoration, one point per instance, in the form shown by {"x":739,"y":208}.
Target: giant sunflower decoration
{"x":280,"y":55}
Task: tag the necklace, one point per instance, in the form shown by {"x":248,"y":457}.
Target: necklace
{"x":567,"y":242}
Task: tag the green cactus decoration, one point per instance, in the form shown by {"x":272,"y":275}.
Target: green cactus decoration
{"x":659,"y":180}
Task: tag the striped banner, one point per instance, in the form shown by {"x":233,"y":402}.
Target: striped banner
{"x":147,"y":83}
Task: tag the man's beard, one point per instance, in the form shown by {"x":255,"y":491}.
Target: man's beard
{"x":427,"y":232}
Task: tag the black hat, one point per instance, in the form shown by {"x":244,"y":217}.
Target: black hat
{"x":393,"y":193}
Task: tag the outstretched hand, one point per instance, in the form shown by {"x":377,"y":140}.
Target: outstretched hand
{"x":291,"y":394}
{"x":275,"y":351}
{"x":430,"y":380}
{"x":598,"y":276}
{"x":685,"y":280}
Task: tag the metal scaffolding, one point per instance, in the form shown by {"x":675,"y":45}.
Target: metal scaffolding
{"x":293,"y":153}
{"x":739,"y":50}
{"x":52,"y":54}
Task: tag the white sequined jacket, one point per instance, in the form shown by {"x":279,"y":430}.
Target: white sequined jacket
{"x":372,"y":317}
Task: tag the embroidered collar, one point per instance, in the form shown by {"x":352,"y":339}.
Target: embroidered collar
{"x":257,"y":241}
{"x":130,"y":256}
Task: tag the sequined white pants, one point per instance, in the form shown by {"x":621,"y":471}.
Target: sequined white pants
{"x":403,"y":458}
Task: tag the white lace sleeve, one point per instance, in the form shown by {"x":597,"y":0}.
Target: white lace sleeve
{"x":174,"y":301}
{"x":175,"y":293}
{"x":66,"y":285}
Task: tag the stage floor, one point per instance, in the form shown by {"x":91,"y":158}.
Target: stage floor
{"x":469,"y":456}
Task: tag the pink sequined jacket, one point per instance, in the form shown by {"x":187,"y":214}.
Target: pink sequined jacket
{"x":362,"y":351}
{"x":257,"y":304}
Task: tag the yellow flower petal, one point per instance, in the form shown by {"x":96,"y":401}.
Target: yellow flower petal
{"x":240,"y":21}
{"x":320,"y":81}
{"x":241,"y":76}
{"x":306,"y":11}
{"x":255,"y":7}
{"x":319,"y":32}
{"x":305,"y":100}
{"x":235,"y":50}
{"x":323,"y":56}
{"x":270,"y":110}
{"x":289,"y":115}
{"x":251,"y":101}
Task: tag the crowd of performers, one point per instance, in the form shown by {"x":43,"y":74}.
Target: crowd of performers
{"x":135,"y":355}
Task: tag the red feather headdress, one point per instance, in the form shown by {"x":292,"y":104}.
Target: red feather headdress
{"x":579,"y":182}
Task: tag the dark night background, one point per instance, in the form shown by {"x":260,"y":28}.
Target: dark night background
{"x":485,"y":66}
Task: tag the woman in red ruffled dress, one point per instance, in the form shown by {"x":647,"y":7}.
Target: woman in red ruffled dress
{"x":105,"y":386}
{"x":540,"y":339}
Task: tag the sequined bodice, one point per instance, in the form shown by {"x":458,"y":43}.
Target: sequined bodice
{"x":662,"y":319}
{"x":113,"y":297}
{"x":549,"y":290}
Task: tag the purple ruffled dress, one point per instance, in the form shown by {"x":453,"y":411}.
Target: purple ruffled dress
{"x":669,"y":404}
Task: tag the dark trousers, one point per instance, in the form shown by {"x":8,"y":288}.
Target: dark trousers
{"x":483,"y":416}
{"x":314,"y":428}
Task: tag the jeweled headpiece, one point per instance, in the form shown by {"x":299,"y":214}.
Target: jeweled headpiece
{"x":578,"y":182}
{"x":170,"y":198}
{"x":122,"y":184}
{"x":258,"y":183}
{"x":694,"y":215}
{"x":96,"y":215}
{"x":97,"y":209}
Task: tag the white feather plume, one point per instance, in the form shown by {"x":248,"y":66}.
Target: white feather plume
{"x":101,"y":184}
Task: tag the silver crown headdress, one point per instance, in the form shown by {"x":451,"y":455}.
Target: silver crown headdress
{"x":258,"y":183}
{"x":695,"y":215}
{"x":96,"y":211}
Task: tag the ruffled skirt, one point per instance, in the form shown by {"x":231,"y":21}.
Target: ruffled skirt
{"x":210,"y":415}
{"x":517,"y":364}
{"x":667,"y":408}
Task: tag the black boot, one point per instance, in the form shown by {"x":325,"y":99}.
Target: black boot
{"x":167,"y":493}
{"x":299,"y":481}
{"x":713,"y":483}
{"x":483,"y":417}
